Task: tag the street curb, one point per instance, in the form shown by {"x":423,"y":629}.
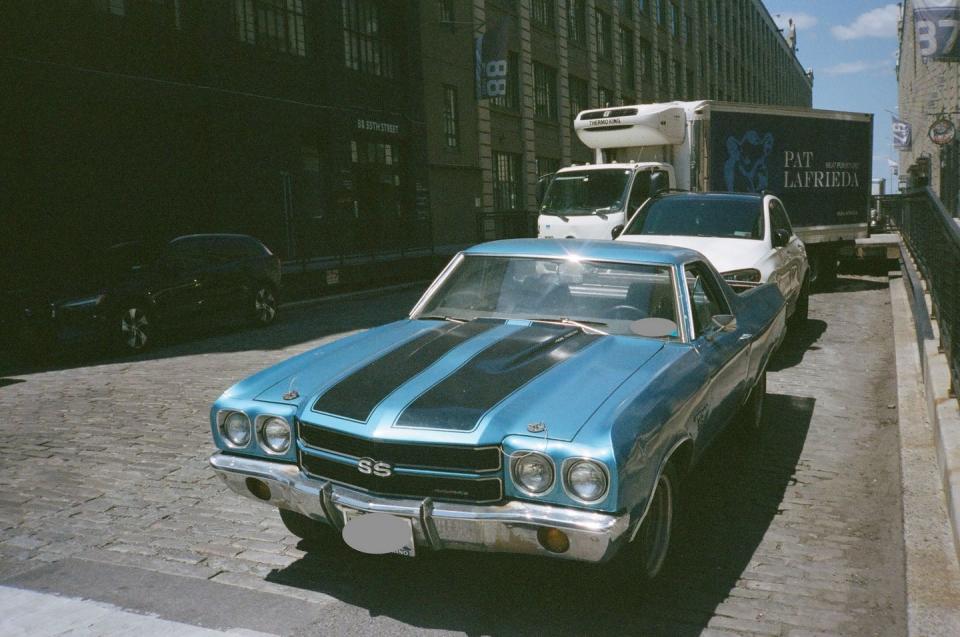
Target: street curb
{"x":942,"y":409}
{"x":359,"y":294}
{"x":932,"y":572}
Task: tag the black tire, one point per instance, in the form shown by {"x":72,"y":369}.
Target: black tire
{"x":306,"y":528}
{"x":136,"y":330}
{"x":751,"y":414}
{"x":823,"y":269}
{"x":801,"y":311}
{"x":651,"y":547}
{"x":265,"y":305}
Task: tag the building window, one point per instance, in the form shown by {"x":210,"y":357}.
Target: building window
{"x":511,"y":99}
{"x":658,"y":10}
{"x":642,"y":6}
{"x":547,"y":165}
{"x":628,"y":66}
{"x":604,"y":97}
{"x":451,"y":123}
{"x":579,"y":95}
{"x":626,"y":9}
{"x":507,"y":186}
{"x":545,"y":91}
{"x":688,"y":31}
{"x":646,"y":61}
{"x":604,"y":35}
{"x":577,"y":21}
{"x":662,"y":70}
{"x":445,"y":9}
{"x":674,"y":18}
{"x":277,"y":25}
{"x":366,"y":47}
{"x":542,"y":13}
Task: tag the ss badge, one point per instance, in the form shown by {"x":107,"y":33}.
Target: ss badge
{"x":370,"y":466}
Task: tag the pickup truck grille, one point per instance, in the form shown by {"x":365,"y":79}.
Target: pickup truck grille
{"x":334,"y":456}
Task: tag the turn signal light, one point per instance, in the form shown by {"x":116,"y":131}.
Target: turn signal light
{"x":554,"y":540}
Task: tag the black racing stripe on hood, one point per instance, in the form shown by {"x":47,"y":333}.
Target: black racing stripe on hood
{"x":357,"y":395}
{"x":459,"y":401}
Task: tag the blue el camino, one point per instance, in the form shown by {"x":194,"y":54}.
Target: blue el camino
{"x":544,"y":397}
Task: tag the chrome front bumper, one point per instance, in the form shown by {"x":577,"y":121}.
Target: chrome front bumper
{"x":503,"y":528}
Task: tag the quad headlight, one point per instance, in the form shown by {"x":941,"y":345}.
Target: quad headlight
{"x":532,"y":472}
{"x":236,"y":429}
{"x":585,"y":480}
{"x":275,"y":435}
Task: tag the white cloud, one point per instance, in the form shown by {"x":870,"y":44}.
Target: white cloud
{"x":877,"y":23}
{"x":800,"y":20}
{"x":860,"y":66}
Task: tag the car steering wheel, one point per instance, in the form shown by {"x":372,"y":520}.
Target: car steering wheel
{"x":626,"y":312}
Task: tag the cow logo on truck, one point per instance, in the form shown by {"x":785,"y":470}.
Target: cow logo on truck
{"x":746,"y":167}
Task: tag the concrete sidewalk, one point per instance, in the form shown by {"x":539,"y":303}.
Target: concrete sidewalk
{"x":33,"y":614}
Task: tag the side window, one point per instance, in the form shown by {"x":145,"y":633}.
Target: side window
{"x":186,"y":254}
{"x":706,"y":301}
{"x":639,"y":192}
{"x":778,"y":218}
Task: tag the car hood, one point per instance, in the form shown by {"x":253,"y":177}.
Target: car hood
{"x":470,"y":383}
{"x":725,"y":254}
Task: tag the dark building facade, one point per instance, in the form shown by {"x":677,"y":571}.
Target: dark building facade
{"x":299,"y":122}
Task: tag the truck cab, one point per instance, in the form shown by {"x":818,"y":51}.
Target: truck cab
{"x":589,"y":201}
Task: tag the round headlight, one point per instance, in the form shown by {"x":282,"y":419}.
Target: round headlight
{"x":533,"y":472}
{"x":586,"y":480}
{"x":275,"y":435}
{"x":236,"y":429}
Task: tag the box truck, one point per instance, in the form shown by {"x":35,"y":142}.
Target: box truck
{"x":818,"y":162}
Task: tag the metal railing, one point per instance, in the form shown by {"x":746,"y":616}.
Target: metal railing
{"x":933,"y":238}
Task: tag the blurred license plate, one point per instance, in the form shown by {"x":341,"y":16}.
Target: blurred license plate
{"x":378,"y":533}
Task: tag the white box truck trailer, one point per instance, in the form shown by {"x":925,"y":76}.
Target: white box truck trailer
{"x":817,"y":162}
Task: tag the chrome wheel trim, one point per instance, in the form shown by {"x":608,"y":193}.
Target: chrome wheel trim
{"x":265,"y":304}
{"x":654,"y":535}
{"x":134,"y":325}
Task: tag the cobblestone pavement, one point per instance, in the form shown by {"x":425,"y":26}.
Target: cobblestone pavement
{"x":800,"y":534}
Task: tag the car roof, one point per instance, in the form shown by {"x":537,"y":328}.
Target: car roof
{"x":598,"y":250}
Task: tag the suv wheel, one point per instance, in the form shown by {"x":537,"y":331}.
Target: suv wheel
{"x":136,"y":329}
{"x":264,"y":305}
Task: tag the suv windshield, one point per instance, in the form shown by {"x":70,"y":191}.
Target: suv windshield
{"x":734,"y":218}
{"x":586,"y":192}
{"x":615,"y":298}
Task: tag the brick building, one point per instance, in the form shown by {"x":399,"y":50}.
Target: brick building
{"x":928,"y":92}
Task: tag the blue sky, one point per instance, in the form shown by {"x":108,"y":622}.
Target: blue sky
{"x":851,"y":45}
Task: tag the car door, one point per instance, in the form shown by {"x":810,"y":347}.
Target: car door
{"x":723,"y":352}
{"x":178,"y":296}
{"x":224,"y":275}
{"x":790,"y":256}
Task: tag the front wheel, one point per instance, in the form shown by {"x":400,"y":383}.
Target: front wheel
{"x":653,"y":538}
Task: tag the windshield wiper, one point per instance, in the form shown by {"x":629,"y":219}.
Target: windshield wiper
{"x":440,"y":317}
{"x":586,"y":326}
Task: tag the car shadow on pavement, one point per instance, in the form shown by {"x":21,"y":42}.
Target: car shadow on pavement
{"x":799,"y":340}
{"x":729,"y":501}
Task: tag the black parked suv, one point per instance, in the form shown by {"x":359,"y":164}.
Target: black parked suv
{"x":133,"y":291}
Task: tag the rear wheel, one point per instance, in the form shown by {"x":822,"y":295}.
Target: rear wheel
{"x":306,"y":528}
{"x":136,"y":328}
{"x":265,"y":305}
{"x":802,"y":310}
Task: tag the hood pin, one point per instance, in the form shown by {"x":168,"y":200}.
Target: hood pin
{"x":536,"y":427}
{"x":293,"y":394}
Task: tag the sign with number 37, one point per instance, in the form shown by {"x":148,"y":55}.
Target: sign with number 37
{"x":938,"y":27}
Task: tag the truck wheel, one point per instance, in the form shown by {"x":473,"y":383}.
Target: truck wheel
{"x":802,"y":309}
{"x":306,"y":528}
{"x":823,"y":269}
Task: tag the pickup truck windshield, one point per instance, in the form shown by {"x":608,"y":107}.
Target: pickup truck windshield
{"x":605,"y":297}
{"x":586,"y":192}
{"x":700,"y":217}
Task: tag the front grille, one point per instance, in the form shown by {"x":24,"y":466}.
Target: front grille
{"x":609,"y":112}
{"x":416,"y":486}
{"x":436,"y":457}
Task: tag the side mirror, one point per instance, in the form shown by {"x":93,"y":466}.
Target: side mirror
{"x":616,"y":231}
{"x":780,"y":238}
{"x":724,"y":322}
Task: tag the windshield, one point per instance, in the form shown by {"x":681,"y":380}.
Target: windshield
{"x":740,"y":218}
{"x":615,"y":298}
{"x":586,"y":192}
